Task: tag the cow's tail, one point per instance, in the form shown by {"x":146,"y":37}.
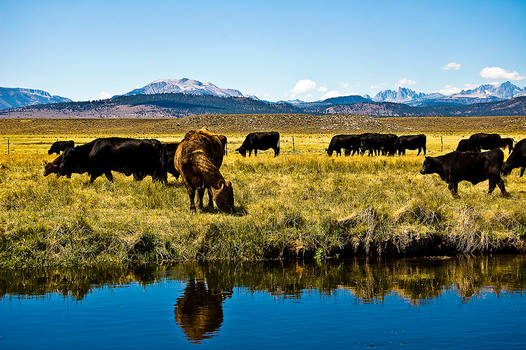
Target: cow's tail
{"x":278,"y":146}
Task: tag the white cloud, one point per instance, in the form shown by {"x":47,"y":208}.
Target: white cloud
{"x":266,"y":94}
{"x":103,"y":95}
{"x":322,"y":89}
{"x":452,"y":66}
{"x":405,"y":81}
{"x":330,"y":94}
{"x":449,"y":90}
{"x":500,"y":73}
{"x":343,"y":85}
{"x":302,"y":86}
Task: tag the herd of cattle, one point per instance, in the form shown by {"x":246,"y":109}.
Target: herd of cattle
{"x":198,"y":157}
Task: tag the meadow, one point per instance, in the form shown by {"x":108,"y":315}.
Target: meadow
{"x":300,"y":204}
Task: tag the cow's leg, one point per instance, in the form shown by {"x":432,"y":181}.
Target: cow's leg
{"x":424,"y":150}
{"x":276,"y":151}
{"x":200,"y":194}
{"x":210,"y":199}
{"x":93,"y":177}
{"x":522,"y":171}
{"x":500,"y":183}
{"x":255,"y":152}
{"x":109,"y":176}
{"x":453,"y":188}
{"x":492,"y":184}
{"x":191,"y":195}
{"x":249,"y":152}
{"x":419,"y":150}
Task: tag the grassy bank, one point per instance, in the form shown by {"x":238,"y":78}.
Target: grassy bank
{"x":299,"y":204}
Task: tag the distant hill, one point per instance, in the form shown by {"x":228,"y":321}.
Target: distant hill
{"x":151,"y":106}
{"x":185,"y":86}
{"x":511,"y":107}
{"x":180,"y":105}
{"x":18,"y":97}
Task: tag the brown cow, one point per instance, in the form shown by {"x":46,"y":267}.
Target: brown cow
{"x":198,"y":159}
{"x":54,"y":167}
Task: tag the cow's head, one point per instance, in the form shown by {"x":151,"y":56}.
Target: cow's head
{"x":50,"y":168}
{"x":329,"y":151}
{"x":224,"y":196}
{"x":242,"y":151}
{"x":430,"y":166}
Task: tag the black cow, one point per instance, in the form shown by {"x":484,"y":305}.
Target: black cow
{"x":507,"y":142}
{"x":467,"y":166}
{"x":412,"y":142}
{"x":60,"y":146}
{"x":136,"y":157}
{"x":468,"y":145}
{"x":378,"y":143}
{"x":491,"y":141}
{"x":517,"y":159}
{"x":350,"y":143}
{"x":260,"y":141}
{"x":169,"y":154}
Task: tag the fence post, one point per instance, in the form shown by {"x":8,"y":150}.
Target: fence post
{"x":441,"y":144}
{"x":293,"y":148}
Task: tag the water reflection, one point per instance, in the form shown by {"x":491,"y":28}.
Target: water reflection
{"x":369,"y":280}
{"x":198,"y":309}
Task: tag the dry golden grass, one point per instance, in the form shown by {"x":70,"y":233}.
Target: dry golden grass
{"x":302,"y":203}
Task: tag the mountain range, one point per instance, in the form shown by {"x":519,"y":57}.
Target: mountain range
{"x":17,"y":97}
{"x":185,"y":86}
{"x":483,"y":93}
{"x":180,"y":97}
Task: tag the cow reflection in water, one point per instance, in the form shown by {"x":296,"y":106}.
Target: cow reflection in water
{"x":199,"y":311}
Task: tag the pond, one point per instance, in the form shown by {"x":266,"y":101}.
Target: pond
{"x":418,"y":303}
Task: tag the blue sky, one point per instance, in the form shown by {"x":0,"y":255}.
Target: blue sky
{"x":273,"y":49}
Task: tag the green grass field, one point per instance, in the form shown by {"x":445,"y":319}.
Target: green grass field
{"x":300,"y":204}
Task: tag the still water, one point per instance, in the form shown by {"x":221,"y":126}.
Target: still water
{"x":424,"y":303}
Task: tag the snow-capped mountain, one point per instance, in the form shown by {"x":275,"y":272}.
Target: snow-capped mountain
{"x":185,"y":86}
{"x":483,"y":93}
{"x":400,"y":96}
{"x":18,"y":97}
{"x":503,"y":91}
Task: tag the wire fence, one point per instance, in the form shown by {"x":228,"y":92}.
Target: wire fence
{"x":289,"y":144}
{"x":26,"y":145}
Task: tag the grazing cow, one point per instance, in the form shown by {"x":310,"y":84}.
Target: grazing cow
{"x":384,"y":144}
{"x":60,"y":146}
{"x":54,"y":167}
{"x":482,"y":141}
{"x":260,"y":141}
{"x":517,"y":159}
{"x":412,"y":142}
{"x":507,"y":142}
{"x":350,"y":143}
{"x":467,"y":166}
{"x":136,"y":157}
{"x":486,"y":141}
{"x":467,"y":145}
{"x":198,"y":159}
